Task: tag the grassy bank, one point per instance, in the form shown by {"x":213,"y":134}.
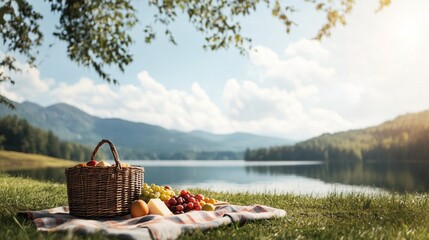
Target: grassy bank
{"x":10,"y":160}
{"x":333,"y":217}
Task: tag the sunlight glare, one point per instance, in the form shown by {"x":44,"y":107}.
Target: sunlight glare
{"x":410,"y":31}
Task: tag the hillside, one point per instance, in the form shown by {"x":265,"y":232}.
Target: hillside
{"x":10,"y":160}
{"x":135,"y":140}
{"x":18,"y":135}
{"x":404,"y":138}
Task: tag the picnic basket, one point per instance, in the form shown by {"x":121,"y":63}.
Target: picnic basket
{"x":103,"y":191}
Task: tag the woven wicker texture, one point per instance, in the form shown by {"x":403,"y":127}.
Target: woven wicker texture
{"x":103,"y":191}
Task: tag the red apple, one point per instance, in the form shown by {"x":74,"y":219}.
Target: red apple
{"x":91,"y":163}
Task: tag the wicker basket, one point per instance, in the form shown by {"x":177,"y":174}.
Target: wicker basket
{"x":103,"y":191}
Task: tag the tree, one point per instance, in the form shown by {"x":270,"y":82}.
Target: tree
{"x":97,"y":31}
{"x":2,"y":139}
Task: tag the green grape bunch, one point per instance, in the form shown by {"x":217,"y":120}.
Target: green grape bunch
{"x":156,"y":191}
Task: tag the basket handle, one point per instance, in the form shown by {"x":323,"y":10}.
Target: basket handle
{"x":112,"y":148}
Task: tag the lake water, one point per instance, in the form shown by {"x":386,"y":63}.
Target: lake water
{"x":297,"y":177}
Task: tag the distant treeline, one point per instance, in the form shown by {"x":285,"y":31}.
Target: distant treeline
{"x":18,"y":135}
{"x":405,"y":138}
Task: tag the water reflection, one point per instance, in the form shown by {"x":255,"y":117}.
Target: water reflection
{"x":399,"y":177}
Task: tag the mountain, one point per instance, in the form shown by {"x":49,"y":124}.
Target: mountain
{"x":67,"y":122}
{"x":401,"y":139}
{"x":237,"y":140}
{"x":135,"y":140}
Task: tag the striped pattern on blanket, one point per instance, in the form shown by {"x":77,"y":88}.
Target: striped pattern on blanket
{"x":150,"y":226}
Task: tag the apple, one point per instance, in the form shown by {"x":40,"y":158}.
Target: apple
{"x":208,"y":207}
{"x":167,"y":187}
{"x":91,"y":163}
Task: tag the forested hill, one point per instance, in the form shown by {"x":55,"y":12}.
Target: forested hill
{"x":404,"y":138}
{"x":18,"y":135}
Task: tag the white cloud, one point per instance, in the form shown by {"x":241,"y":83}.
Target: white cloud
{"x":308,"y":49}
{"x":277,"y":112}
{"x":28,"y":83}
{"x":263,"y":56}
{"x":146,"y":101}
{"x":247,"y":101}
{"x":295,"y":70}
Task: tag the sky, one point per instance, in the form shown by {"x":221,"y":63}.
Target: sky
{"x":289,"y":86}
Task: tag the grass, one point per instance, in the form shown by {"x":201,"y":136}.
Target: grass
{"x":10,"y":160}
{"x":336,"y":216}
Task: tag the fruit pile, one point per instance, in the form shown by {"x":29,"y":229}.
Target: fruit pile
{"x":94,"y":163}
{"x":185,"y":202}
{"x":162,"y":200}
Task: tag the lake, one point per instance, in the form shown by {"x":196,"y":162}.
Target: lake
{"x":297,"y":177}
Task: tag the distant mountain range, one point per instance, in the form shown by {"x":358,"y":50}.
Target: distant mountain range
{"x":404,"y":138}
{"x":136,"y":140}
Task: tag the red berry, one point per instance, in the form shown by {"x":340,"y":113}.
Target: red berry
{"x":199,"y":197}
{"x":197,"y":207}
{"x":192,"y":200}
{"x":183,"y":192}
{"x":191,"y":205}
{"x":172,"y":201}
{"x":180,"y":208}
{"x":180,"y":200}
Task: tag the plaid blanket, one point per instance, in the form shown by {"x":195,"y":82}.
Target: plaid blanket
{"x":150,"y":226}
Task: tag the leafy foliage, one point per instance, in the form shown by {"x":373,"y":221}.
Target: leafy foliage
{"x":404,"y":138}
{"x":19,"y":135}
{"x":97,"y":32}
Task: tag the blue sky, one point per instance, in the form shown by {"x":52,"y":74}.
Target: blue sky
{"x":367,"y":72}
